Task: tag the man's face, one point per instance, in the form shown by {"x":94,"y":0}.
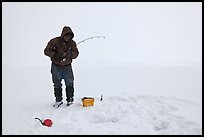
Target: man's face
{"x":67,"y":37}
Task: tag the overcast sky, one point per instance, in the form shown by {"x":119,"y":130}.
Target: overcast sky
{"x":147,"y":33}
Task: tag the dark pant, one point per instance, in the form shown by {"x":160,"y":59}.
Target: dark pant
{"x":59,"y":73}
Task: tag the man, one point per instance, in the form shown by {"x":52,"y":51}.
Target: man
{"x":62,"y":50}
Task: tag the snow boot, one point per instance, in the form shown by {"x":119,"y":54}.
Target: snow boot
{"x":58,"y":104}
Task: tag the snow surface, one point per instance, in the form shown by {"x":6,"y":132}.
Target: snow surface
{"x":136,"y":100}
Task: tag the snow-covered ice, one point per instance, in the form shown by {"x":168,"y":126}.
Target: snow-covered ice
{"x":134,"y":101}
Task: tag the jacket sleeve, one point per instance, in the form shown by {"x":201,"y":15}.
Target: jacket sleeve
{"x":75,"y":51}
{"x":50,"y":49}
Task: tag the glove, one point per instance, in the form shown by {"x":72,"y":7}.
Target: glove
{"x":58,"y":56}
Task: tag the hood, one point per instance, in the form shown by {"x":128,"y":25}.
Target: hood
{"x":66,"y":30}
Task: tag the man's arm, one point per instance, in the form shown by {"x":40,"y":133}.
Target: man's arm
{"x":75,"y":51}
{"x":50,"y":49}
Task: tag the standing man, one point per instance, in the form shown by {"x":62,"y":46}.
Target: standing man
{"x":62,"y":50}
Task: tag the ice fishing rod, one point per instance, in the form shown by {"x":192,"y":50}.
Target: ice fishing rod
{"x":85,"y":40}
{"x":90,"y":38}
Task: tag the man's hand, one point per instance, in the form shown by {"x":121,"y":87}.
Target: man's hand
{"x":62,"y":56}
{"x":58,"y":56}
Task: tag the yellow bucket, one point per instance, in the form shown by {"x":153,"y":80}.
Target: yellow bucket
{"x":87,"y":101}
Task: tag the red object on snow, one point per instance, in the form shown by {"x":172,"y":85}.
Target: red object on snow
{"x":47,"y":122}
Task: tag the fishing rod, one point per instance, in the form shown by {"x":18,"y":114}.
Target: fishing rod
{"x":85,"y":40}
{"x":90,"y":38}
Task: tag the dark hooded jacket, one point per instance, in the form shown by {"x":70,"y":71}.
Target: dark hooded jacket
{"x":57,"y":45}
